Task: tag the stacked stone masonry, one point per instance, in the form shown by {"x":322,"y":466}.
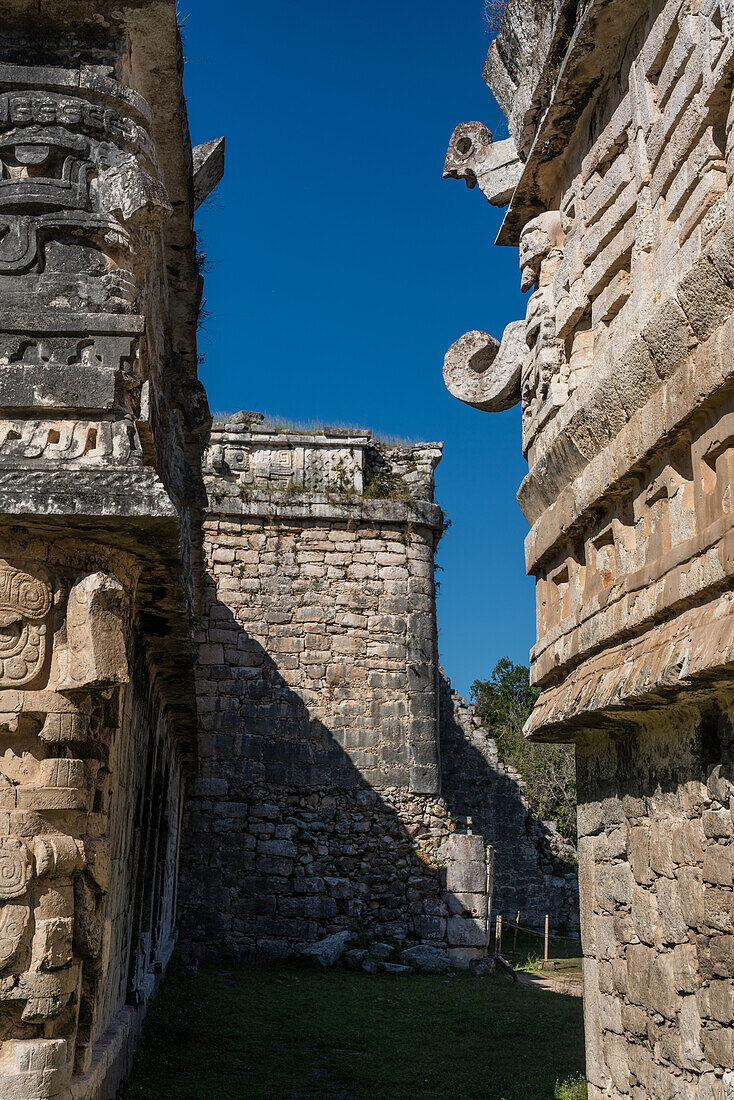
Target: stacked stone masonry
{"x":327,"y":728}
{"x":535,"y":872}
{"x":317,"y":808}
{"x":621,"y":119}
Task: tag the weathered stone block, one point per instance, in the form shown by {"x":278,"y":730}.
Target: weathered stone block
{"x":467,"y":932}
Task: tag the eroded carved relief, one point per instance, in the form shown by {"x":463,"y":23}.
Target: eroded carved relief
{"x":25,"y":602}
{"x":81,"y":203}
{"x":54,"y":859}
{"x":545,"y":371}
{"x":76,"y":182}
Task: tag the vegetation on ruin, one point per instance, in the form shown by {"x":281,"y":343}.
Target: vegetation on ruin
{"x":503,"y":704}
{"x":381,"y":481}
{"x":282,"y":1032}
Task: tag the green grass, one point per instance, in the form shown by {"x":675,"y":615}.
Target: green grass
{"x":281,"y":1033}
{"x":528,"y":949}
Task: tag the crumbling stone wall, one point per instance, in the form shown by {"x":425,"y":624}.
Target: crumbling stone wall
{"x":621,"y":117}
{"x":318,"y":804}
{"x":535,"y":870}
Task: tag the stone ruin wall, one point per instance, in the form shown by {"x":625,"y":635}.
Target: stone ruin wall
{"x":334,"y":760}
{"x":317,"y":807}
{"x":621,"y":202}
{"x":100,"y":497}
{"x":535,"y":869}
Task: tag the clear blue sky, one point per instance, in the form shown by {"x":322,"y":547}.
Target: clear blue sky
{"x":343,"y":265}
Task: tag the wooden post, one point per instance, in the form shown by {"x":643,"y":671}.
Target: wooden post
{"x":514,"y":939}
{"x":546,"y":938}
{"x":498,"y":935}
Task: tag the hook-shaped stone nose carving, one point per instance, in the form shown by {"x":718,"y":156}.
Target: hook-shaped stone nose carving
{"x":484,"y":372}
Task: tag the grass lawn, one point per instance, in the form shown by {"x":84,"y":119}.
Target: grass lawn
{"x":281,"y":1033}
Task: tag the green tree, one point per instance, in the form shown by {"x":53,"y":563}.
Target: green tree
{"x":503,"y":704}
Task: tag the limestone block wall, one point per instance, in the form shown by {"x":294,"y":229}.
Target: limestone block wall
{"x":655,"y":852}
{"x":534,"y":868}
{"x":318,"y":806}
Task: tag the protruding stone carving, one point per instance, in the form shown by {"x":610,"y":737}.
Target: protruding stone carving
{"x":208,"y":168}
{"x":529,"y":363}
{"x":484,"y":373}
{"x":133,"y":195}
{"x":474,"y":157}
{"x":95,"y":634}
{"x":539,"y":239}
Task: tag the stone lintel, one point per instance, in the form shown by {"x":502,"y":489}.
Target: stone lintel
{"x":49,"y":387}
{"x":115,"y":494}
{"x":53,"y":322}
{"x":685,"y":660}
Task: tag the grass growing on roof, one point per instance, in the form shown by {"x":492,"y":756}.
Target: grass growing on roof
{"x":282,"y":424}
{"x":283,"y":1033}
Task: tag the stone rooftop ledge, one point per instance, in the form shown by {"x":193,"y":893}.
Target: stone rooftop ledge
{"x":324,"y":506}
{"x":248,"y":456}
{"x":326,"y":437}
{"x":261,"y":428}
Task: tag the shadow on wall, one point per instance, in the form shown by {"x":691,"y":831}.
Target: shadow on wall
{"x":285,"y":842}
{"x":529,"y":876}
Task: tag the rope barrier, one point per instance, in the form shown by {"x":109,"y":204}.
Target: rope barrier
{"x":510,"y":926}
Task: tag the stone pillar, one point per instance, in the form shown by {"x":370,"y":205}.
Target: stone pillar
{"x":100,"y":501}
{"x":469,"y":882}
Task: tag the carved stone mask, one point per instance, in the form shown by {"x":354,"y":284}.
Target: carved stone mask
{"x":539,"y":237}
{"x":43,"y":167}
{"x":467,"y":149}
{"x":25,"y":602}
